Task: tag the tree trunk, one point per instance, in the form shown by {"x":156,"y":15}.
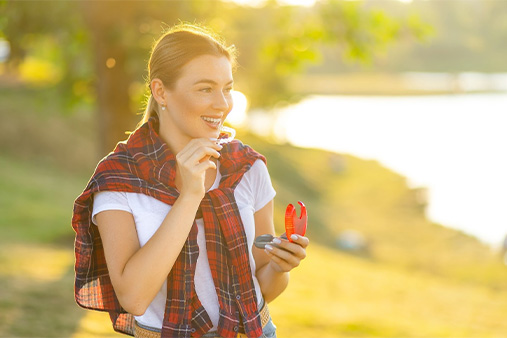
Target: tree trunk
{"x":114,"y":115}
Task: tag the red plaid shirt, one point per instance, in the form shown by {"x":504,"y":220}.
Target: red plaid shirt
{"x":144,"y":164}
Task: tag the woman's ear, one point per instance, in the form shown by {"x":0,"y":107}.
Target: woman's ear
{"x":158,"y":91}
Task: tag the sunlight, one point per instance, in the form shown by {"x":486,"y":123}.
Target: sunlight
{"x":39,"y":263}
{"x":95,"y":324}
{"x":5,"y":50}
{"x":253,"y":3}
{"x":259,"y":3}
{"x":237,"y":116}
{"x":304,"y":3}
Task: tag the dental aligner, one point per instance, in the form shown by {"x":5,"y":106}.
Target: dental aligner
{"x":227,"y":134}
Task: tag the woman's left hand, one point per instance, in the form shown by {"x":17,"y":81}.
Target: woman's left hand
{"x":287,"y":255}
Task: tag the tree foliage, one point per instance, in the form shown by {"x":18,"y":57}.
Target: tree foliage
{"x":99,"y":49}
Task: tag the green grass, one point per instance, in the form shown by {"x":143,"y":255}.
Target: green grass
{"x":36,"y":202}
{"x":337,"y":295}
{"x":37,"y":291}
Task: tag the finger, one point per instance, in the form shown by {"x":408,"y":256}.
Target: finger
{"x":286,"y":256}
{"x":301,"y":240}
{"x":292,"y":247}
{"x":195,"y":156}
{"x":203,"y":153}
{"x":192,"y":148}
{"x":194,"y":145}
{"x":206,"y":142}
{"x":205,"y":165}
{"x":280,"y":264}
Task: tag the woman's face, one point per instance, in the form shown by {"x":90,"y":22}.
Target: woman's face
{"x":200,"y":100}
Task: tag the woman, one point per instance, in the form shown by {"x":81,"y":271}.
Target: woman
{"x":165,"y":227}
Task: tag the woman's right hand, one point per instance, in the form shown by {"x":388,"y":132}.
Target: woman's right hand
{"x":192,"y":163}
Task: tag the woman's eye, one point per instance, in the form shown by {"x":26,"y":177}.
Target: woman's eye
{"x":205,"y":90}
{"x":228,"y":90}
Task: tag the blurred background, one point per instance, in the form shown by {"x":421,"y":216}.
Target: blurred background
{"x":386,"y":118}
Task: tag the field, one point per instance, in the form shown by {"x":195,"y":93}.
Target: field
{"x":332,"y":294}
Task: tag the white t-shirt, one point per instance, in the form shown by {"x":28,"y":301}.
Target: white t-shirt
{"x":252,"y":193}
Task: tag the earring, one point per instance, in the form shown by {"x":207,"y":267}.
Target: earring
{"x":163,"y":106}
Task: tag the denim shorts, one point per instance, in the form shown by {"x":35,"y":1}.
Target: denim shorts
{"x":268,"y":331}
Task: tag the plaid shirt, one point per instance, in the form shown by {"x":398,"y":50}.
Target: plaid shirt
{"x":144,"y":164}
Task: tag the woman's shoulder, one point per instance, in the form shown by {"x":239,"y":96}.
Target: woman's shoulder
{"x":130,"y":201}
{"x":259,"y":169}
{"x":123,"y":196}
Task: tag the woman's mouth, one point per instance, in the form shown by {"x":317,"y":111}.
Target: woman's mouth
{"x":212,"y":121}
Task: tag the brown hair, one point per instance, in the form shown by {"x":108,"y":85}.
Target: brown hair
{"x":174,"y":49}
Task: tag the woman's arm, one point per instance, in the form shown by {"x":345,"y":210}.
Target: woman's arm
{"x":273,"y":265}
{"x":137,"y":274}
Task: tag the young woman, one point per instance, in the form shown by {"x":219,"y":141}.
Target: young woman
{"x":165,"y":227}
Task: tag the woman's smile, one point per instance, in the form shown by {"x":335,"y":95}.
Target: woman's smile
{"x":212,"y":122}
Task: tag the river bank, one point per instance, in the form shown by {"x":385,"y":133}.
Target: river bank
{"x":407,"y":83}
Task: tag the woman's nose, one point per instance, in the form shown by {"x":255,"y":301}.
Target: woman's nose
{"x":222,"y":102}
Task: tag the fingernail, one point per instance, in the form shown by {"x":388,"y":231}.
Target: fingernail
{"x":294,"y":237}
{"x":269,"y":247}
{"x":277,"y":240}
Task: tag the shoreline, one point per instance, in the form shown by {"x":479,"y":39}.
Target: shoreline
{"x":398,"y":84}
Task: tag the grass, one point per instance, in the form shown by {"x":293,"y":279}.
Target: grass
{"x":331,"y":294}
{"x":337,"y":295}
{"x":37,"y":201}
{"x":37,"y":256}
{"x":38,"y":280}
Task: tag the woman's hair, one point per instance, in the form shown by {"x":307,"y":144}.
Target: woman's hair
{"x":175,"y":48}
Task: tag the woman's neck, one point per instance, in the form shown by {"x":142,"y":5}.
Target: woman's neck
{"x":173,"y":138}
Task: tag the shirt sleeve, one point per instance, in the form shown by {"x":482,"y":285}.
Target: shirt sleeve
{"x":109,"y":200}
{"x":262,"y":186}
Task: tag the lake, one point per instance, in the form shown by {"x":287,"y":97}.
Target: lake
{"x":454,"y":145}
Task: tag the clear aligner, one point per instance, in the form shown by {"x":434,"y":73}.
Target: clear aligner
{"x":227,"y":134}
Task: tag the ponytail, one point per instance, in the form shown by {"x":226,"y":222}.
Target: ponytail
{"x":151,"y":108}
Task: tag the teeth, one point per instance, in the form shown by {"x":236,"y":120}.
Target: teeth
{"x":212,"y":120}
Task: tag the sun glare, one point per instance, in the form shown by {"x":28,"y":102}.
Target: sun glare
{"x":237,"y":116}
{"x":258,"y":3}
{"x":303,"y":3}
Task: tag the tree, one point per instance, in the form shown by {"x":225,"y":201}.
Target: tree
{"x":110,"y":50}
{"x":113,"y":38}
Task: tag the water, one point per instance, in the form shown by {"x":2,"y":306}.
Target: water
{"x":455,"y":145}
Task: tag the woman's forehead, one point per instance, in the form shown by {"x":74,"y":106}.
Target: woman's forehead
{"x":207,"y":69}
